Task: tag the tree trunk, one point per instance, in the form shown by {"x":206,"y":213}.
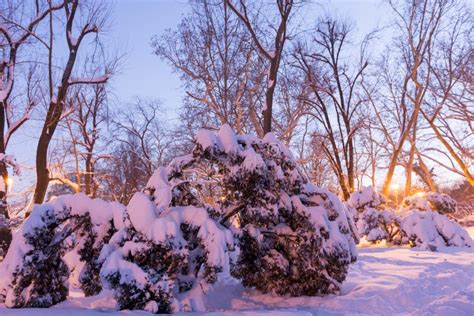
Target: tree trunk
{"x":42,"y":172}
{"x":350,"y":170}
{"x":427,"y":175}
{"x":89,"y":175}
{"x":409,"y":170}
{"x":411,"y":158}
{"x":391,"y":167}
{"x":272,"y":78}
{"x":267,"y":112}
{"x":411,"y":123}
{"x":345,"y":191}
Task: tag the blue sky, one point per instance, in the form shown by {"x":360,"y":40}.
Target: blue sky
{"x":144,"y":74}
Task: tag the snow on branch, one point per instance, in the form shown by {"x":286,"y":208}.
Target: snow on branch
{"x":94,"y":80}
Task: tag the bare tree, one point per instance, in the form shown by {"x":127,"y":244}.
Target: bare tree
{"x":90,"y":115}
{"x":84,"y":18}
{"x":221,"y":70}
{"x":332,"y":83}
{"x":311,"y":157}
{"x":142,"y":142}
{"x":80,"y":151}
{"x":122,"y":175}
{"x":292,"y":108}
{"x":143,"y":122}
{"x":224,"y":74}
{"x":417,"y":23}
{"x":272,"y":55}
{"x":450,"y":93}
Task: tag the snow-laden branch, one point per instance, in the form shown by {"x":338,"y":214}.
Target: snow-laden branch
{"x":95,"y":80}
{"x":73,"y":185}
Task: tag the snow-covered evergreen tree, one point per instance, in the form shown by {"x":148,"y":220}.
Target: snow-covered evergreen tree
{"x":373,"y":219}
{"x":34,"y":273}
{"x":166,"y":253}
{"x":294,"y":238}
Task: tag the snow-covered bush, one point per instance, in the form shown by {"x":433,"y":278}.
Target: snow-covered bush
{"x":34,"y":273}
{"x":294,"y":238}
{"x":416,"y":222}
{"x":430,"y":230}
{"x":164,"y":256}
{"x":431,"y":201}
{"x":378,"y":224}
{"x":373,"y":219}
{"x":426,"y":223}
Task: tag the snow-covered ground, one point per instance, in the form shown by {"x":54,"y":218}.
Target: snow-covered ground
{"x":384,"y":281}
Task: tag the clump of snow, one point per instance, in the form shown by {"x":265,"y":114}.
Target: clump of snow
{"x":159,"y":187}
{"x":366,"y":197}
{"x":141,"y":212}
{"x":208,"y":140}
{"x":228,"y":139}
